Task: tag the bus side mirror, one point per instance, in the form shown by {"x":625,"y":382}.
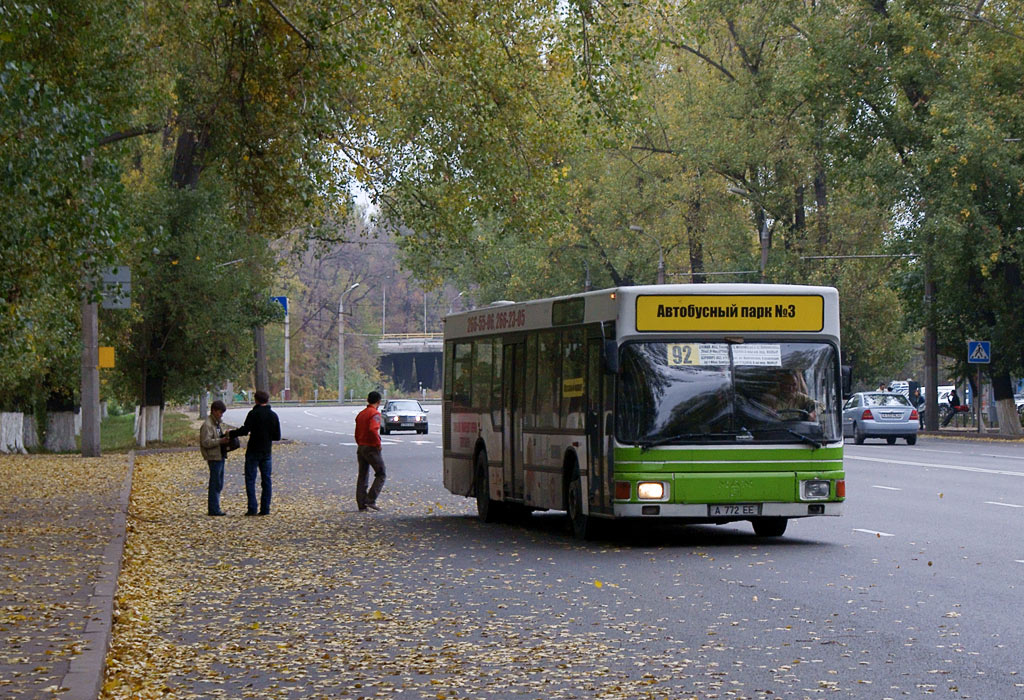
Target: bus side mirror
{"x":847,"y":371}
{"x":611,"y":357}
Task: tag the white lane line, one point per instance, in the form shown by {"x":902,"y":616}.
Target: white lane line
{"x":954,"y":467}
{"x":1003,"y":456}
{"x":874,"y":532}
{"x":945,"y":452}
{"x":1019,"y":561}
{"x":1008,"y":505}
{"x":887,"y":488}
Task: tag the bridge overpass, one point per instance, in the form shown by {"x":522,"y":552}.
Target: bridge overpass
{"x":412,"y":358}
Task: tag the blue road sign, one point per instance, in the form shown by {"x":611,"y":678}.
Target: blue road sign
{"x":283,"y":301}
{"x":979,"y":352}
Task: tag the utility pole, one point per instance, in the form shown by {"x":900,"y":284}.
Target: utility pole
{"x":341,"y":343}
{"x":90,"y":376}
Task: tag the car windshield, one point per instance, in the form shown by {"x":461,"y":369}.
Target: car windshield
{"x":404,"y":406}
{"x":727,"y":392}
{"x":885,"y":400}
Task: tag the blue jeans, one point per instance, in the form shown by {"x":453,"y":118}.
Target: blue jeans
{"x":215,"y":487}
{"x":252,"y":463}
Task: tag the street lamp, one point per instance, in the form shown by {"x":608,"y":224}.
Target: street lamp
{"x":661,"y":256}
{"x":341,"y":343}
{"x":451,"y":304}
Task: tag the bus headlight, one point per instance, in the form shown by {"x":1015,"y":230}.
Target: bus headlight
{"x":815,"y":489}
{"x":650,"y":490}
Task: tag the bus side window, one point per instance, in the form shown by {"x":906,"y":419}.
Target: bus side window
{"x":482,"y":374}
{"x":530,"y":414}
{"x":572,"y":384}
{"x":462,"y":374}
{"x":548,"y":379}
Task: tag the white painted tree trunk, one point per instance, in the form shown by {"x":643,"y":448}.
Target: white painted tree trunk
{"x":1009,"y":421}
{"x":12,"y":440}
{"x":60,"y":431}
{"x":30,"y":433}
{"x":148,"y":425}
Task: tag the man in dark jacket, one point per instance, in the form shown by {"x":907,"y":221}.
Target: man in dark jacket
{"x":263,"y":427}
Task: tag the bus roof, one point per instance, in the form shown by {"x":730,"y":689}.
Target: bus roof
{"x":666,"y":308}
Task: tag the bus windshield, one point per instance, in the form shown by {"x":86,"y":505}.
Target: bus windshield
{"x":763,"y":392}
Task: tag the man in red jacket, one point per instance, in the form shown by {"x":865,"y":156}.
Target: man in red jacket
{"x":368,"y":454}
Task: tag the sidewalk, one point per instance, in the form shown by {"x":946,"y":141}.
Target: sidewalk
{"x":62,"y":530}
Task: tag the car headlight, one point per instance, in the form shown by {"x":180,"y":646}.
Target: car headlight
{"x":650,"y":490}
{"x":815,"y":489}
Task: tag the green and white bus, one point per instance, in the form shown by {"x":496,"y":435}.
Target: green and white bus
{"x":649,"y":402}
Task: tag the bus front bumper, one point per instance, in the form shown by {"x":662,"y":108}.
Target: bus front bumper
{"x":702,"y":511}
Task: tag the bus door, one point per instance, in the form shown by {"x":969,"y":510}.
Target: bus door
{"x":513,"y":405}
{"x":597,"y":463}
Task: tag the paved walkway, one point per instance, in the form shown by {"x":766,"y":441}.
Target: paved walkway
{"x":62,"y":529}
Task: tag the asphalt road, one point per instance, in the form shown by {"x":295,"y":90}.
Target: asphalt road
{"x":916,"y":590}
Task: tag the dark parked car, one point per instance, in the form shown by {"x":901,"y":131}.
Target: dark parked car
{"x":880,"y":415}
{"x":403,"y":414}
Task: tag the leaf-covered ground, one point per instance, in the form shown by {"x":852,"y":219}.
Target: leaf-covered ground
{"x":319,"y":600}
{"x":55,"y":522}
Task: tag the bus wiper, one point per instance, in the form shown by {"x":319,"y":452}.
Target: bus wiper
{"x":803,"y":438}
{"x":645,"y":445}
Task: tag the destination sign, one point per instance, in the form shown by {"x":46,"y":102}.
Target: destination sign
{"x":730,"y":312}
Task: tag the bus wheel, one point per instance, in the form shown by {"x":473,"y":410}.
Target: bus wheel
{"x":582,"y":524}
{"x":769,"y":527}
{"x":487,"y":509}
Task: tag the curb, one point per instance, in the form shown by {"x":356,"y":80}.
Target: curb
{"x":84,"y":678}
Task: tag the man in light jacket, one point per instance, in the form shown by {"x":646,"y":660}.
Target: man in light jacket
{"x":213,"y":441}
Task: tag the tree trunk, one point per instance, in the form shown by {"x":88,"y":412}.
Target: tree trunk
{"x":148,"y":424}
{"x":60,"y":431}
{"x":30,"y":433}
{"x":12,"y":438}
{"x":262,"y":377}
{"x":1002,"y":390}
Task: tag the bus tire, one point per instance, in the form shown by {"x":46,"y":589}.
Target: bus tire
{"x":582,"y":524}
{"x":769,"y":527}
{"x":488,"y":510}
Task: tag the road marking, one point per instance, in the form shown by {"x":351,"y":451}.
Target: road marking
{"x":945,"y":452}
{"x":874,"y":532}
{"x":1003,"y":456}
{"x":887,"y":488}
{"x":1008,"y":505}
{"x":1019,"y":561}
{"x":954,"y":467}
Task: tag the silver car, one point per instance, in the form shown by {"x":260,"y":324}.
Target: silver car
{"x":403,"y":414}
{"x":876,"y":414}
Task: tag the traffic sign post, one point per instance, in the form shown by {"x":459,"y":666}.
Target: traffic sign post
{"x":283,"y":301}
{"x":979,"y":352}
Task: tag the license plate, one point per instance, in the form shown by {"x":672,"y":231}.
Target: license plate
{"x":741,"y":509}
{"x":892,"y":414}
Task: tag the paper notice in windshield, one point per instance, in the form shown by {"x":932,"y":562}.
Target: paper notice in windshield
{"x":757,"y":354}
{"x":682,"y":354}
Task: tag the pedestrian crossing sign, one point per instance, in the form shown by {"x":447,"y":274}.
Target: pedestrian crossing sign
{"x":979,"y":352}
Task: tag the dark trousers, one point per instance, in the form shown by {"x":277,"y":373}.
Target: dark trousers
{"x":367,"y":457}
{"x":263,"y":463}
{"x":215,"y":486}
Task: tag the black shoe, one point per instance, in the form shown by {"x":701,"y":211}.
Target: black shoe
{"x":251,"y":512}
{"x":220,"y":512}
{"x":264,"y":512}
{"x":372,"y":507}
